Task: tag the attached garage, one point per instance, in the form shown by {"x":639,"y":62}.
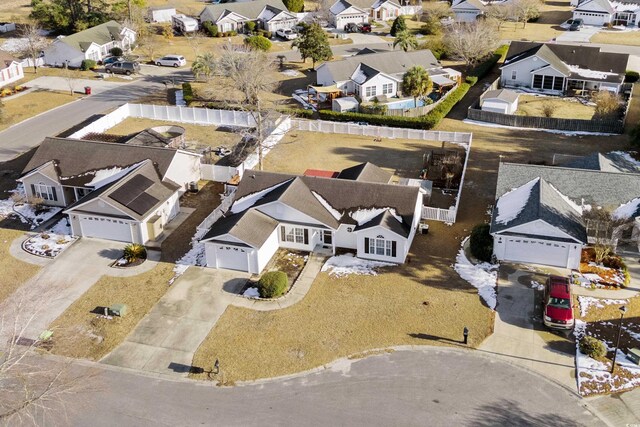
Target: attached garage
{"x":232,"y":257}
{"x":534,"y":251}
{"x":105,"y":228}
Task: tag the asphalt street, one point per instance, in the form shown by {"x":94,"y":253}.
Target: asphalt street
{"x":433,"y":386}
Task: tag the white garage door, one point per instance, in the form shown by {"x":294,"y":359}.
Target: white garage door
{"x":105,"y":228}
{"x":232,"y":258}
{"x":590,"y":18}
{"x":537,"y":252}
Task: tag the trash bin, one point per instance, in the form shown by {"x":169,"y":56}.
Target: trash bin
{"x":87,"y":90}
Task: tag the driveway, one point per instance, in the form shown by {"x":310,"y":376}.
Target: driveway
{"x":584,"y":35}
{"x":63,"y":280}
{"x":62,"y":84}
{"x":167,"y":338}
{"x":519,"y":335}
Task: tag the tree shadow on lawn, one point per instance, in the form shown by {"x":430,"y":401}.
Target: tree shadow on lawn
{"x":509,"y":413}
{"x":405,"y":161}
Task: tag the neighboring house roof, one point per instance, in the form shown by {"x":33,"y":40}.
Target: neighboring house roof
{"x":543,"y":202}
{"x":469,"y":4}
{"x":137,"y":194}
{"x":380,"y":3}
{"x":393,"y":62}
{"x":591,"y":187}
{"x":366,"y":172}
{"x":615,"y":161}
{"x":248,"y":9}
{"x":506,"y":95}
{"x":363,"y":5}
{"x":78,"y":162}
{"x":6,"y":59}
{"x":100,"y":35}
{"x":158,"y":8}
{"x":329,"y":201}
{"x":578,"y":62}
{"x":603,"y":5}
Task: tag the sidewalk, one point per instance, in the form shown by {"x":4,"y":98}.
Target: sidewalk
{"x":62,"y":84}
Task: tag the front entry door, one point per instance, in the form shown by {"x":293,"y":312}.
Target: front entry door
{"x":327,"y":238}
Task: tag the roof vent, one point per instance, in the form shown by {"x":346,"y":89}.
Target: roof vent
{"x":573,"y":51}
{"x":253,"y":176}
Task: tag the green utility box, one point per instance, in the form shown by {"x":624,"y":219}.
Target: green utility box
{"x":634,"y":355}
{"x":119,"y":310}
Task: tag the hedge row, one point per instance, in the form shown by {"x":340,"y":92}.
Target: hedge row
{"x":484,"y":68}
{"x":187,"y":93}
{"x":428,"y":121}
{"x":297,"y":112}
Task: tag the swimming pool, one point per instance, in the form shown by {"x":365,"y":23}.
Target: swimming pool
{"x":405,"y":104}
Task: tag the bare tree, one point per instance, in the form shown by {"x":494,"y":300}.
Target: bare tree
{"x":33,"y":42}
{"x":471,"y":42}
{"x":71,"y":76}
{"x":148,"y":45}
{"x":323,"y":8}
{"x":549,"y":108}
{"x":249,"y":72}
{"x":608,"y":104}
{"x":196,"y":40}
{"x":500,"y":13}
{"x":525,"y":10}
{"x":602,"y":232}
{"x":32,"y":388}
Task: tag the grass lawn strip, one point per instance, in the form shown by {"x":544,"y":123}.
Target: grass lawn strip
{"x":564,"y":108}
{"x":600,"y":318}
{"x":423,"y":302}
{"x":14,"y":271}
{"x":80,"y":333}
{"x":629,"y":38}
{"x":31,"y":104}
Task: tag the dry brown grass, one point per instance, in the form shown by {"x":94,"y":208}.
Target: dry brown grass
{"x":567,"y":108}
{"x":629,"y":38}
{"x":546,"y":28}
{"x":201,"y":135}
{"x":31,"y":104}
{"x":14,"y":271}
{"x":77,"y":329}
{"x":14,"y":10}
{"x":423,"y":302}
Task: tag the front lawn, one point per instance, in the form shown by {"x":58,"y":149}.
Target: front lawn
{"x":601,"y":319}
{"x":81,"y":332}
{"x":563,"y":108}
{"x":422,"y":302}
{"x":14,"y":271}
{"x":547,"y":27}
{"x":31,"y":104}
{"x":629,"y":38}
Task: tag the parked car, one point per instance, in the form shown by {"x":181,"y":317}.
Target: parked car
{"x":286,"y":34}
{"x":558,"y":306}
{"x":365,"y":27}
{"x":351,"y":27}
{"x":123,"y":67}
{"x":112,"y":59}
{"x":575,"y":26}
{"x":171,"y":61}
{"x":579,"y":23}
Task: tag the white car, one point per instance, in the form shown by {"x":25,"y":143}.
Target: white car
{"x":286,"y":34}
{"x":171,"y":61}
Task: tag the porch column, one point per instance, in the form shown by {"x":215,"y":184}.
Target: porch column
{"x":75,"y":193}
{"x":584,"y":84}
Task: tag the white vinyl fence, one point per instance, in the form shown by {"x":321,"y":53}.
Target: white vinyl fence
{"x":217,"y":213}
{"x":437,"y":214}
{"x":197,"y":116}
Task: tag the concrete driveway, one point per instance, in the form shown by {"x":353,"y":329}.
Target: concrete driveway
{"x":584,"y":35}
{"x":166,"y":339}
{"x":62,"y":84}
{"x":519,"y":335}
{"x":63,"y":280}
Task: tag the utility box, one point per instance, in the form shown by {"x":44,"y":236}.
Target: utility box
{"x":119,"y":310}
{"x":634,"y":355}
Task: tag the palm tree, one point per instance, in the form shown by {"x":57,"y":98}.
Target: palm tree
{"x":204,"y":65}
{"x":416,"y":82}
{"x":405,"y":40}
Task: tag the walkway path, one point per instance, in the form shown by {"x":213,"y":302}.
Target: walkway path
{"x":59,"y":283}
{"x":165,"y":341}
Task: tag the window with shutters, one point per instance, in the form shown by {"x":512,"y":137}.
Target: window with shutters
{"x":380,"y":246}
{"x":294,"y":234}
{"x":43,"y":191}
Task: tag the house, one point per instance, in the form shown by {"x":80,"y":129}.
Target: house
{"x":358,"y":210}
{"x":10,"y":69}
{"x":378,"y":10}
{"x":540,"y":215}
{"x":371,"y":75}
{"x":604,"y":12}
{"x":160,"y":13}
{"x":6,"y":27}
{"x":342,"y":13}
{"x":560,"y":69}
{"x":270,"y":15}
{"x":503,"y":101}
{"x":93,"y":43}
{"x":468,"y":10}
{"x":114,"y":191}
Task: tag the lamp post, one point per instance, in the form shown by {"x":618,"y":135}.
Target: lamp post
{"x":623,"y":310}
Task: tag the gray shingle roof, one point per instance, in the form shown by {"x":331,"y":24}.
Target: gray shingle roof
{"x":544,"y":203}
{"x":250,"y":226}
{"x":614,"y":161}
{"x":502,"y":94}
{"x":366,"y":172}
{"x":78,"y":160}
{"x":561,"y":56}
{"x":248,"y":9}
{"x":600,"y":188}
{"x":394,"y":62}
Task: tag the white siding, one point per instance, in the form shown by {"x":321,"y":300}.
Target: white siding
{"x":59,"y":52}
{"x":324,"y":76}
{"x":347,"y":16}
{"x":499,"y":106}
{"x":540,"y":228}
{"x":12,"y":73}
{"x":402,"y":248}
{"x":266,"y":252}
{"x":37,"y":178}
{"x":377,"y":82}
{"x":282,"y":212}
{"x":184,"y":168}
{"x":161,"y":15}
{"x":345,"y":239}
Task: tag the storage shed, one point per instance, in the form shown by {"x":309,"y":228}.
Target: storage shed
{"x":346,"y":104}
{"x":161,"y":14}
{"x":503,"y":101}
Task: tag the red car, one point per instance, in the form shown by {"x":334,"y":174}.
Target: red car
{"x":364,"y":27}
{"x":558,"y":307}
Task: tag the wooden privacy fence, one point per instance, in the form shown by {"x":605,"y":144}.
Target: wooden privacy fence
{"x":571,"y":125}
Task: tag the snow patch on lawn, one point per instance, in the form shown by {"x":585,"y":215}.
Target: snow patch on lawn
{"x":27,"y":211}
{"x":513,"y":202}
{"x":537,"y":286}
{"x":481,"y":276}
{"x":291,"y":73}
{"x":47,"y":244}
{"x":195,"y":256}
{"x":344,"y":265}
{"x":61,"y":227}
{"x":587,"y":302}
